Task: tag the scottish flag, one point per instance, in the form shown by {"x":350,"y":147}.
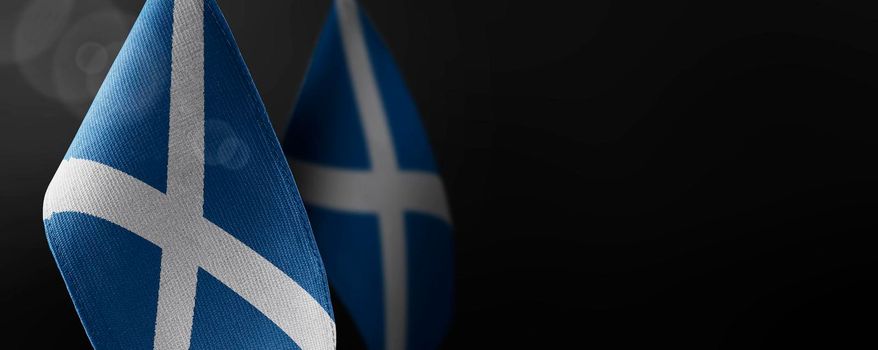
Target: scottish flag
{"x":371,"y":187}
{"x":174,"y":218}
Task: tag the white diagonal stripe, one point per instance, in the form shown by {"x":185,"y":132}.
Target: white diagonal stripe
{"x":382,"y":159}
{"x":186,"y":127}
{"x":366,"y":92}
{"x":368,"y":192}
{"x":95,"y":189}
{"x":176,"y":302}
{"x":178,"y":278}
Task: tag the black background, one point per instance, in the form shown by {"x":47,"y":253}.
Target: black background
{"x":696,"y":174}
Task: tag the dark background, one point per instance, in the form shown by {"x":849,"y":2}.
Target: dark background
{"x":696,"y":174}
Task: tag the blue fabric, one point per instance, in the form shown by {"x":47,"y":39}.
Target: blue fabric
{"x":254,"y":183}
{"x":127,"y":124}
{"x":111,"y":273}
{"x":429,"y":244}
{"x":351,"y":248}
{"x":410,"y":141}
{"x":326,"y":129}
{"x":223,"y":320}
{"x":326,"y":110}
{"x":90,"y":252}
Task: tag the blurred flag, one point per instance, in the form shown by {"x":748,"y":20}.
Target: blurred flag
{"x":174,"y":218}
{"x":369,"y":181}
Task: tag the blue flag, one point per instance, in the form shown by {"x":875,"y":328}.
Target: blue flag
{"x":370,"y":184}
{"x":174,"y":218}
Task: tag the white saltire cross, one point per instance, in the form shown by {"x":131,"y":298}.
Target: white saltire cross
{"x":175,"y":221}
{"x":385,"y":189}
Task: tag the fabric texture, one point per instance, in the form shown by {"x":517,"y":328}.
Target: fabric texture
{"x":174,"y":218}
{"x":371,"y":187}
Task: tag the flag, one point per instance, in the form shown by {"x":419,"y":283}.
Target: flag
{"x":174,"y":218}
{"x":371,"y":187}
